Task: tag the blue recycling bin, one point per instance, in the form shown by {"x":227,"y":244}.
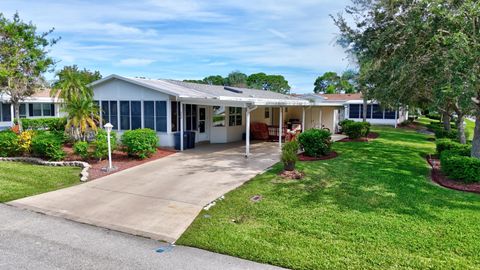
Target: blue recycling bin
{"x":177,"y":140}
{"x":191,"y":139}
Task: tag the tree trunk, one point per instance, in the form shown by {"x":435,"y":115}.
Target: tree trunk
{"x":446,"y":121}
{"x":476,"y":136}
{"x":461,"y":129}
{"x":365,"y":106}
{"x":16,"y":107}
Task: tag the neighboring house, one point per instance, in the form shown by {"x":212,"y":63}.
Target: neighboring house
{"x":350,"y":106}
{"x":39,"y":105}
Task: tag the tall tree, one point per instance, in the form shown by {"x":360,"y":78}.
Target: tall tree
{"x":214,"y":80}
{"x":72,"y":83}
{"x":418,"y":50}
{"x":330,"y":82}
{"x":23,"y":59}
{"x":327,"y":83}
{"x":237,"y":79}
{"x":275,"y":83}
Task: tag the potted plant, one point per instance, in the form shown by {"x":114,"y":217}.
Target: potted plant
{"x":289,"y":155}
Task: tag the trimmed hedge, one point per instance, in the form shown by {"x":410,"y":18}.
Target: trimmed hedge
{"x":9,"y":146}
{"x":48,"y":145}
{"x":441,"y":133}
{"x":447,"y":144}
{"x":52,"y":124}
{"x":81,"y":149}
{"x":355,"y":130}
{"x":344,"y":123}
{"x":459,"y":167}
{"x":434,"y":116}
{"x":140,"y":143}
{"x":316,"y":142}
{"x":100,"y":145}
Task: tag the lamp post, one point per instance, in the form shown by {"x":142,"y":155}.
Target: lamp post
{"x":108,"y":127}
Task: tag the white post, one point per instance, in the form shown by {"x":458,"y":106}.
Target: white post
{"x":109,"y":127}
{"x":247,"y":135}
{"x":303,"y":119}
{"x":280,"y":127}
{"x":396,"y":114}
{"x":12,"y":114}
{"x":247,"y":130}
{"x":181,"y":126}
{"x":109,"y":152}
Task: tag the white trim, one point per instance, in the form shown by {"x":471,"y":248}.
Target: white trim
{"x":132,"y":81}
{"x":247,"y":130}
{"x":280,"y":127}
{"x":181,"y":126}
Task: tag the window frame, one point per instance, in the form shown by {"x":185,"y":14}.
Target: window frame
{"x":219,"y":116}
{"x":235,"y":113}
{"x":160,"y":126}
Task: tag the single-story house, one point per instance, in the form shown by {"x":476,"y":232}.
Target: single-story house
{"x":39,"y":105}
{"x":216,"y":114}
{"x":350,"y":106}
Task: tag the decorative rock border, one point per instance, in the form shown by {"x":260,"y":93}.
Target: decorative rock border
{"x":84,"y":165}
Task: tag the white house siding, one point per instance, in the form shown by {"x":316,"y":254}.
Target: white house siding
{"x":226,"y":133}
{"x":402,"y":116}
{"x":58,"y":112}
{"x":258,"y":115}
{"x":117,"y":90}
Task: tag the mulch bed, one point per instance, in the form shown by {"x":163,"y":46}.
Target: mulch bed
{"x":438,"y":177}
{"x":292,"y":174}
{"x":371,"y":136}
{"x":413,"y":126}
{"x":303,"y":157}
{"x":120,"y":160}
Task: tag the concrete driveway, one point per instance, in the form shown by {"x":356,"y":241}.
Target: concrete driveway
{"x":161,"y":198}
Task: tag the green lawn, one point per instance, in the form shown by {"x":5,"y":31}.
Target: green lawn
{"x":373,"y":207}
{"x":18,"y":180}
{"x":425,"y":121}
{"x":470,"y":128}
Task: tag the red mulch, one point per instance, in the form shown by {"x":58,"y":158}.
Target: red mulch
{"x":371,"y":136}
{"x":120,"y":160}
{"x":438,"y":177}
{"x":413,"y":126}
{"x":303,"y":157}
{"x":292,"y":174}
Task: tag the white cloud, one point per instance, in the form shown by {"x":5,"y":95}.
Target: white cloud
{"x":293,"y":38}
{"x":135,"y":62}
{"x":277,"y":33}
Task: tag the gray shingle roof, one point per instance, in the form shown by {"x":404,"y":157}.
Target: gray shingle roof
{"x":219,"y":90}
{"x":194,"y":91}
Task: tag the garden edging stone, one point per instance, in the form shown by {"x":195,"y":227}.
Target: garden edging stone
{"x":84,"y":165}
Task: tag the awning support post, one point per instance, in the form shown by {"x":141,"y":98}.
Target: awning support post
{"x":12,"y":115}
{"x":181,"y":126}
{"x":280,"y":128}
{"x":303,"y":119}
{"x":247,"y":131}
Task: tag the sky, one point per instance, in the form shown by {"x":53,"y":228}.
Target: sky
{"x":188,"y":39}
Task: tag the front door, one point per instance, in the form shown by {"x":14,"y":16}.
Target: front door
{"x":203,"y":126}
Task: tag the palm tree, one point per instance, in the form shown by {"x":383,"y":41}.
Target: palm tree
{"x":83,"y":118}
{"x":72,"y":83}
